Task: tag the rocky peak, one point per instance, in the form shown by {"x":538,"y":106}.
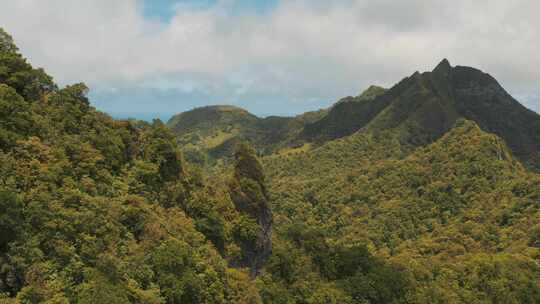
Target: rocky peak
{"x":250,"y":197}
{"x":443,"y":68}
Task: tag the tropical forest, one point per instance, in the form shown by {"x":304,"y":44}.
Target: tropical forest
{"x":427,"y":191}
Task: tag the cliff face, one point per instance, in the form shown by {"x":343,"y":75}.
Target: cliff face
{"x":251,"y":198}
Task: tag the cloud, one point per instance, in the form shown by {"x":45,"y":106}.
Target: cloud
{"x":299,"y":55}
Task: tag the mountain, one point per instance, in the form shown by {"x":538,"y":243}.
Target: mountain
{"x":424,"y":106}
{"x":429,"y":175}
{"x":213,"y":131}
{"x":345,"y":117}
{"x":456,"y":213}
{"x":98,"y":210}
{"x":421,"y":108}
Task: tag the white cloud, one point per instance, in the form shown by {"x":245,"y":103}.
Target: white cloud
{"x":301,"y":50}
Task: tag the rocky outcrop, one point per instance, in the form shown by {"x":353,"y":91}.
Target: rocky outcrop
{"x":251,"y":198}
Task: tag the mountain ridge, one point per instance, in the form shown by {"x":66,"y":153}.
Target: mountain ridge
{"x":421,"y":107}
{"x":217,"y":129}
{"x":427,"y":208}
{"x":98,"y":210}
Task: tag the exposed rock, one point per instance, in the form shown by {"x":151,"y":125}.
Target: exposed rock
{"x":250,"y":196}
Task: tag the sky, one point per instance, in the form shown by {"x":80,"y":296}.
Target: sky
{"x":155,"y":58}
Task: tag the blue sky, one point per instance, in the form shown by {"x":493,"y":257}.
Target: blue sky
{"x":165,"y":9}
{"x":155,"y":58}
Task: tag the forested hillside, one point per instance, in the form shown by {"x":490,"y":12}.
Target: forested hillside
{"x":390,"y":208}
{"x":461,"y":215}
{"x":97,"y":210}
{"x":211,"y":133}
{"x":411,"y":175}
{"x":424,"y":186}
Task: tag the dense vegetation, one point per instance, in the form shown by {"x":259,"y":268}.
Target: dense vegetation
{"x":460,"y":215}
{"x":97,"y":210}
{"x":211,"y":133}
{"x":102,"y":211}
{"x":377,"y":210}
{"x":410,"y":175}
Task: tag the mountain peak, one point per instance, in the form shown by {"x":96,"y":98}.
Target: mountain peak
{"x":443,"y":67}
{"x":371,"y":92}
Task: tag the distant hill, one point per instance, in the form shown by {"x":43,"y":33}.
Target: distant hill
{"x":209,"y":118}
{"x":420,"y":108}
{"x":213,"y":131}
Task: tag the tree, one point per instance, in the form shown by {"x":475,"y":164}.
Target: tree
{"x":30,"y":83}
{"x":6,"y":43}
{"x":11,"y":218}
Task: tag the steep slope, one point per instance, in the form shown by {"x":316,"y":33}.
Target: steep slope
{"x":345,"y":117}
{"x":449,"y":212}
{"x":97,"y":210}
{"x":424,"y":106}
{"x":250,"y":196}
{"x":420,"y":108}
